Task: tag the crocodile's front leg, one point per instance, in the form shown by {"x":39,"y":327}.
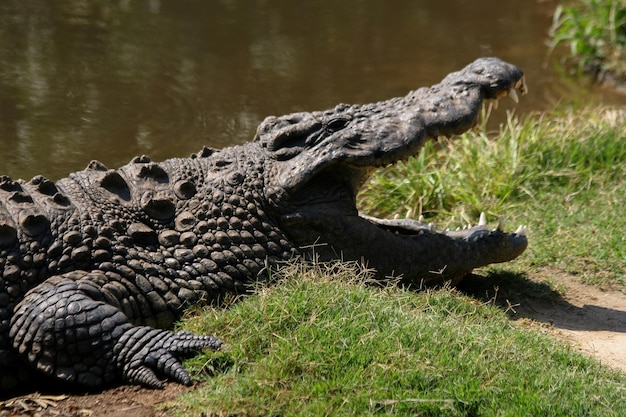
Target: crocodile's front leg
{"x":73,"y":327}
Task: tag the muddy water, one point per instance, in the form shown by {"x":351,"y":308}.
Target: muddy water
{"x":107,"y":80}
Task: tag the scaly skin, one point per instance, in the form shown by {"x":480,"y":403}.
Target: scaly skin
{"x":97,"y":267}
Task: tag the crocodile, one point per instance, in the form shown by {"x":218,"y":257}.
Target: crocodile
{"x":98,"y":266}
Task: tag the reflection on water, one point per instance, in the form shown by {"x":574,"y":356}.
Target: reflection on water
{"x":107,"y":80}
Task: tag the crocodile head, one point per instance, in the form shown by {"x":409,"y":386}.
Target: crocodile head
{"x":321,"y":159}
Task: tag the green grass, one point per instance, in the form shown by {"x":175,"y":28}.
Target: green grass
{"x":321,"y":342}
{"x":562,"y":174}
{"x":595,"y":31}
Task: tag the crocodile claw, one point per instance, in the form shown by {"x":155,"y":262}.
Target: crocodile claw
{"x":144,"y":352}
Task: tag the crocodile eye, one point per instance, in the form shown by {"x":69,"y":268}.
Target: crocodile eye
{"x":336,"y":124}
{"x":326,"y":129}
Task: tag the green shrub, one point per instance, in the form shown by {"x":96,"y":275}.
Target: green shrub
{"x":595,"y":31}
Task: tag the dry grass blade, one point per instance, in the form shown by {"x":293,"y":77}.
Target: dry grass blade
{"x":32,"y":402}
{"x":374,"y":403}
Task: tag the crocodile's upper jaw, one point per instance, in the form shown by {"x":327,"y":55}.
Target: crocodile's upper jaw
{"x":326,"y":157}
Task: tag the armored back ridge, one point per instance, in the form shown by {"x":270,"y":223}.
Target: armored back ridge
{"x":97,"y":267}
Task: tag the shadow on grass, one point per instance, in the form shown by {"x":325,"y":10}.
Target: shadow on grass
{"x":521,"y":297}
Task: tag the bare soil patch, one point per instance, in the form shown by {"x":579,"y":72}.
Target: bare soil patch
{"x":590,"y":319}
{"x":121,"y":401}
{"x":593,"y":321}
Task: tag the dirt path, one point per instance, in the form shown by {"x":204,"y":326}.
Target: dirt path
{"x":592,"y":320}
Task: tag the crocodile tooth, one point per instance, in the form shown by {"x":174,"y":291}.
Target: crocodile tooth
{"x":483,"y":219}
{"x":513,"y":95}
{"x":409,"y":214}
{"x":431,"y":227}
{"x":500,"y":227}
{"x":396,"y":216}
{"x":495,"y":104}
{"x":488,"y":107}
{"x":521,"y":86}
{"x":421,"y":218}
{"x":521,"y":230}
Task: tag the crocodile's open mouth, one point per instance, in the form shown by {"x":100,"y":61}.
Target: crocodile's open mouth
{"x":332,"y":228}
{"x":470,"y":233}
{"x":325,"y":218}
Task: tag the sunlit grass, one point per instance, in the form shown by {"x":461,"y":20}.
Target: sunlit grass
{"x":562,"y":174}
{"x":323,"y":343}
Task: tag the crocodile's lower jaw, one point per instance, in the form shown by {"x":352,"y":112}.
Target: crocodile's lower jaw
{"x":408,"y":249}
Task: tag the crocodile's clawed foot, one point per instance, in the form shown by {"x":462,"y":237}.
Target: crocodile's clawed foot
{"x":144,"y":352}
